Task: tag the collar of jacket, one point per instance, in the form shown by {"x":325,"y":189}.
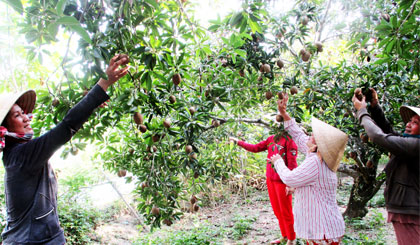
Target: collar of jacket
{"x":412,"y":135}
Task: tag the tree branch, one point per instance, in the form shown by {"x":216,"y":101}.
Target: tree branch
{"x":349,"y":170}
{"x":322,"y":24}
{"x":245,"y":120}
{"x":413,"y":6}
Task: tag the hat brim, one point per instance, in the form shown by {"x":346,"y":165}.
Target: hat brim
{"x":330,"y":141}
{"x":407,"y":112}
{"x":26,"y":100}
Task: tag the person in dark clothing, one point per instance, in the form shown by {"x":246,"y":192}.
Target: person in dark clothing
{"x":30,"y":183}
{"x":402,"y":190}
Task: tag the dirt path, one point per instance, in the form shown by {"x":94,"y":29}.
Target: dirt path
{"x":256,"y":206}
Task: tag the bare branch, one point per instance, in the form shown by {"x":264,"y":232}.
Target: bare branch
{"x":349,"y":170}
{"x":322,"y":24}
{"x":245,"y":120}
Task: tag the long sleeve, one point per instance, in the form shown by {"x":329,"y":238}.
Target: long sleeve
{"x":291,"y":154}
{"x":35,"y":153}
{"x":303,"y":175}
{"x":299,"y":137}
{"x":261,"y":146}
{"x":397,"y":145}
{"x":379,"y":118}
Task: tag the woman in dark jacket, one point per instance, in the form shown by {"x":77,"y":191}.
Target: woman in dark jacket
{"x":402,"y":191}
{"x":30,"y":183}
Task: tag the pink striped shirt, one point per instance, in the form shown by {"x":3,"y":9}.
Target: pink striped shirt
{"x":315,"y":206}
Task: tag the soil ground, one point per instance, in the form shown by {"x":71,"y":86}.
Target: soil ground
{"x":124,"y":228}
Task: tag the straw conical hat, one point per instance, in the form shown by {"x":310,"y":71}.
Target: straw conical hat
{"x":330,"y":141}
{"x":26,"y":100}
{"x":407,"y":112}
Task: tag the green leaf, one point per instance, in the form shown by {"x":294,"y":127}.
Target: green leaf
{"x":206,"y":49}
{"x":53,"y":29}
{"x":236,"y":19}
{"x":16,"y":5}
{"x":60,"y":7}
{"x":240,"y":52}
{"x":75,"y":26}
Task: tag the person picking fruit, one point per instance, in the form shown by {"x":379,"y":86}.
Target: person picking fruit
{"x":317,"y":217}
{"x":30,"y":183}
{"x":402,"y":189}
{"x":280,"y":195}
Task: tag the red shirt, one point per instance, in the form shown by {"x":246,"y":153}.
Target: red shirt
{"x":283,"y":145}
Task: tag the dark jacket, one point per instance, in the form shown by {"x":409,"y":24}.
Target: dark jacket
{"x":285,"y":146}
{"x":30,"y":183}
{"x":402,"y":190}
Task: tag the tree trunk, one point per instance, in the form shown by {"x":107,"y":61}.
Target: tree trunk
{"x":365,"y":186}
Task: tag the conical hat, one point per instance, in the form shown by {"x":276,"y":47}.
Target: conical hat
{"x":331,"y":142}
{"x":407,"y":112}
{"x":26,"y":101}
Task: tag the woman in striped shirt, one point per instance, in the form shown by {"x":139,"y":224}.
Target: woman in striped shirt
{"x":317,"y":217}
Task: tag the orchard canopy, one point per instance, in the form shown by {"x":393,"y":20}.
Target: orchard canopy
{"x":193,"y":84}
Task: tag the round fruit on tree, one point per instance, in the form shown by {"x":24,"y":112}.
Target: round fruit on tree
{"x":167,"y":222}
{"x":74,"y":150}
{"x":196,"y":207}
{"x":304,"y":20}
{"x":176,"y":79}
{"x":143,"y":128}
{"x":138,"y":118}
{"x":144,"y":185}
{"x":192,"y":110}
{"x":156,"y":138}
{"x":268,"y":95}
{"x":280,"y":63}
{"x":188,"y":149}
{"x":172,"y":99}
{"x":193,"y":199}
{"x":279,"y":118}
{"x":294,"y":90}
{"x":358,"y":94}
{"x":167,"y":123}
{"x":193,"y":156}
{"x":305,"y":56}
{"x":55,"y":102}
{"x":353,"y":155}
{"x":369,"y":164}
{"x":280,"y":95}
{"x":319,"y":46}
{"x":266,"y":68}
{"x":155,"y":210}
{"x":122,"y":173}
{"x":215,"y":123}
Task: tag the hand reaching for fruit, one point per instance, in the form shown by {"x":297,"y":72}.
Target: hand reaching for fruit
{"x":113,"y":72}
{"x":358,"y":104}
{"x":235,"y":140}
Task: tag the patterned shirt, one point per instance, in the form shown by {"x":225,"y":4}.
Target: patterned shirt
{"x":315,"y":208}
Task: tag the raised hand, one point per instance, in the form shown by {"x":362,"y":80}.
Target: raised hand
{"x":359,"y":104}
{"x":235,"y":140}
{"x":113,"y":71}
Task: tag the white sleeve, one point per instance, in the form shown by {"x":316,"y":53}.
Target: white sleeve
{"x":298,"y":136}
{"x":305,"y":174}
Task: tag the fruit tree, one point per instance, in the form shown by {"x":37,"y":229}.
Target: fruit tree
{"x":188,"y":83}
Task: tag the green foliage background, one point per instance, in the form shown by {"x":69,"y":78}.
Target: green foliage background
{"x":163,"y":38}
